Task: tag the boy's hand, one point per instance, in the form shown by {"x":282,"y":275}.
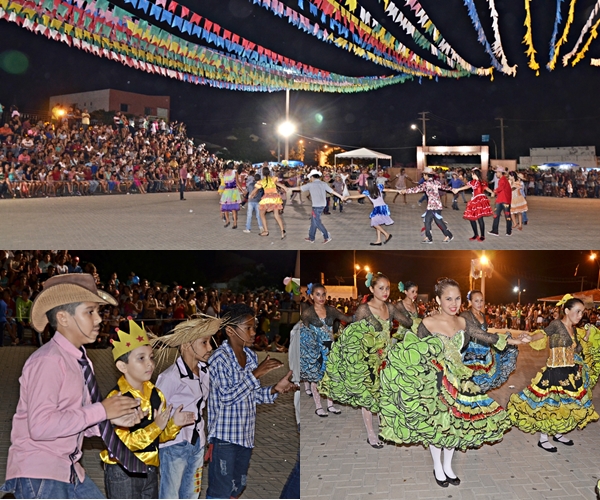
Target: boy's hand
{"x":266,"y":366}
{"x":161,"y":417}
{"x":118,"y":406}
{"x":131,"y":419}
{"x":183,"y":418}
{"x":285,"y":385}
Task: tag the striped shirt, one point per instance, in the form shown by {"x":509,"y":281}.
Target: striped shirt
{"x":234,"y":394}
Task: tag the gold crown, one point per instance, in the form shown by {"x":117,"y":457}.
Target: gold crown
{"x":127,"y":342}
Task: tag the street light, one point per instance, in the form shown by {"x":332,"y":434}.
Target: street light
{"x":357,"y":270}
{"x":414,"y":127}
{"x":285,"y":129}
{"x":481,"y":268}
{"x":594,"y":257}
{"x":517,"y":289}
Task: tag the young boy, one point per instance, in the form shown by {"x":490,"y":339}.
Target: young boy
{"x":186,"y":382}
{"x":234,"y":393}
{"x":135,"y":360}
{"x":55,"y":409}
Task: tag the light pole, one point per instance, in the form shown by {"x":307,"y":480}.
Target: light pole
{"x":594,"y":257}
{"x":285,"y":129}
{"x":357,"y":270}
{"x":518,"y":290}
{"x":424,"y":141}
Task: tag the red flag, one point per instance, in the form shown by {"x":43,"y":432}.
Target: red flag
{"x":172,"y":6}
{"x":195,"y":18}
{"x":184,"y":11}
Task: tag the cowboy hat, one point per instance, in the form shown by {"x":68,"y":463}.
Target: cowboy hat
{"x":314,"y":171}
{"x":428,"y":170}
{"x":66,"y":289}
{"x":499,"y":169}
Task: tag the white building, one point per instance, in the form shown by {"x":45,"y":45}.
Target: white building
{"x":582,"y":156}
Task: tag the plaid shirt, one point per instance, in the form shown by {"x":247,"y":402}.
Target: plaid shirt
{"x":234,"y":394}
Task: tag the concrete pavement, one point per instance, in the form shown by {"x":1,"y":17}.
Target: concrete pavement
{"x":160,"y":221}
{"x":337,"y":462}
{"x":276,"y":440}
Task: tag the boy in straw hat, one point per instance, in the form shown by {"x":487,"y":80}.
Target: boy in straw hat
{"x":234,"y":393}
{"x":134,"y":358}
{"x":185,"y":382}
{"x":56,"y":409}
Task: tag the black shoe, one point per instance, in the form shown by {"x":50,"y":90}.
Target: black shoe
{"x":323,"y":415}
{"x":566,"y":443}
{"x":443,"y":484}
{"x":454,"y":481}
{"x":375,"y":244}
{"x":549,"y":450}
{"x":378,"y":445}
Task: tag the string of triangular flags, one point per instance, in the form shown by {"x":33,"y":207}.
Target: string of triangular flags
{"x":120,"y":37}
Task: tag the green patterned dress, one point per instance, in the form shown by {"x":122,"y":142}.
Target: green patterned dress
{"x":357,"y":358}
{"x":428,"y":397}
{"x":402,"y":329}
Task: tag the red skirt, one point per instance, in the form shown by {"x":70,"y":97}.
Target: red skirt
{"x":478,"y":207}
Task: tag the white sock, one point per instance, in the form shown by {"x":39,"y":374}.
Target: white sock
{"x":544,"y":441}
{"x":316,"y":395}
{"x":562,"y":438}
{"x":368,"y":420}
{"x":436,"y":454}
{"x":448,"y":454}
{"x":307,"y":386}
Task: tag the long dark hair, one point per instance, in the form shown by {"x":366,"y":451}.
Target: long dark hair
{"x":373,"y":188}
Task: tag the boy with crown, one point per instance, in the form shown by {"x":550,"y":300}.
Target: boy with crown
{"x":135,"y":360}
{"x":59,"y":401}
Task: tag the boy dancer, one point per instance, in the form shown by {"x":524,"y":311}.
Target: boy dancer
{"x":234,"y":393}
{"x":186,"y":382}
{"x":56,"y":409}
{"x":135,"y":360}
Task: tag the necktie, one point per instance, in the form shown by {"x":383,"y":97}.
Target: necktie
{"x":116,"y":447}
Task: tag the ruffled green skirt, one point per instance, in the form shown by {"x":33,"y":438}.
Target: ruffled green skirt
{"x":353,"y":366}
{"x":428,"y":398}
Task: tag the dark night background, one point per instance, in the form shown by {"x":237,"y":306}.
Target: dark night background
{"x":558,"y":108}
{"x":542,"y":273}
{"x":266,"y":269}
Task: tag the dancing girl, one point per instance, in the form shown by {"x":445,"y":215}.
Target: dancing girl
{"x":478,"y":206}
{"x":518,"y":204}
{"x":408,"y":307}
{"x":356,"y":359}
{"x":316,"y":337}
{"x":427,"y":395}
{"x":491,"y":367}
{"x":559,"y":398}
{"x":230,"y":194}
{"x":270,"y":202}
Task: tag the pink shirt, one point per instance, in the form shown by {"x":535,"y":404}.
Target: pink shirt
{"x":53,"y":415}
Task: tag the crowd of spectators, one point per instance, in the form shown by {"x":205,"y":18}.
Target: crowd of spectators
{"x":528,"y":317}
{"x":160,"y":307}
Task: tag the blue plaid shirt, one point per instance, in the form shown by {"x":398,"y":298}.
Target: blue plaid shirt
{"x":234,"y":394}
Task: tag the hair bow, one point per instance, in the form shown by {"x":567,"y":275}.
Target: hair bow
{"x":563,"y":301}
{"x":401,"y":286}
{"x":369,"y":279}
{"x":309,"y":289}
{"x":469,"y":295}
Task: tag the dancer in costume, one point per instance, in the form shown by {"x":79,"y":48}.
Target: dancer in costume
{"x":352,"y":374}
{"x":230,"y":194}
{"x":316,"y":337}
{"x":270,"y":202}
{"x":559,"y":397}
{"x":408,"y":308}
{"x":491,"y":368}
{"x":380,"y":216}
{"x":518,"y":204}
{"x":427,"y":395}
{"x":432,"y":187}
{"x":478,"y":206}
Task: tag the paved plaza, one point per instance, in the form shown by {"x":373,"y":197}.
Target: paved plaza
{"x":160,"y":221}
{"x":337,"y":462}
{"x":277,"y":439}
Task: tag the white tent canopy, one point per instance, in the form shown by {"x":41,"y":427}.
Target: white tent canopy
{"x":364,"y":153}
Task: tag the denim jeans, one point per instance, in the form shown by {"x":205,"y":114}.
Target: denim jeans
{"x":181,"y":470}
{"x":228,"y":470}
{"x":253,"y":207}
{"x":292,"y":485}
{"x":121,"y":484}
{"x":315,"y":223}
{"x":435,"y":215}
{"x":181,"y":188}
{"x":499,"y":208}
{"x":24,"y":487}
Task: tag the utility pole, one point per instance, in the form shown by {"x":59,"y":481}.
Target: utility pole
{"x":501,"y":127}
{"x":424,"y":121}
{"x":287,"y":119}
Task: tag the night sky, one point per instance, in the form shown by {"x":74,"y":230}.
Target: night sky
{"x":186,"y":267}
{"x":558,"y":108}
{"x":542,"y":273}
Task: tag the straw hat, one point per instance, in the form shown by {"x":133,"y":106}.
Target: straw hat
{"x":428,"y":170}
{"x":66,"y":289}
{"x":188,"y":331}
